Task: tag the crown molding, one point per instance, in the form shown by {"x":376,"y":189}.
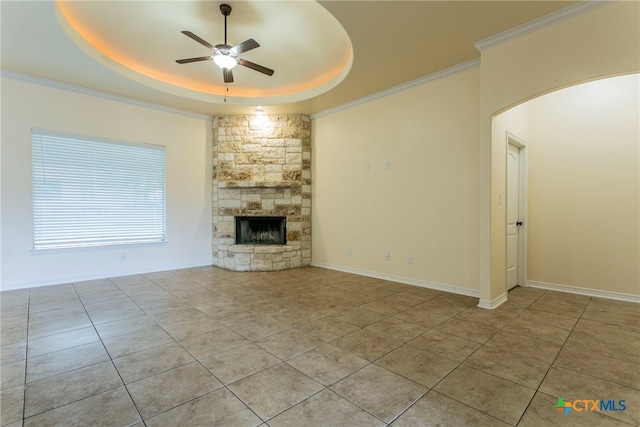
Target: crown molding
{"x":539,"y":23}
{"x":98,"y":94}
{"x":413,"y":83}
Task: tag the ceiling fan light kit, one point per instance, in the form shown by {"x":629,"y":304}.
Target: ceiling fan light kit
{"x":225,"y":56}
{"x":225,"y":60}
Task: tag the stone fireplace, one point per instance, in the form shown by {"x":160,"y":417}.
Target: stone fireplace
{"x":261,"y":186}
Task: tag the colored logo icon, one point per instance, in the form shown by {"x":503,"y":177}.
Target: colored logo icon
{"x":563,"y":406}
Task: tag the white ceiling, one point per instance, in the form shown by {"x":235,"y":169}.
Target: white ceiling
{"x":325,"y":54}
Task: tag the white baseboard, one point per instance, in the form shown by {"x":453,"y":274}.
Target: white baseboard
{"x":494,"y":303}
{"x":584,"y":291}
{"x":400,"y":279}
{"x":83,"y":278}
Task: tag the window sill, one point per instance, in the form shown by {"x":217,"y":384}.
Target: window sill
{"x":114,"y":247}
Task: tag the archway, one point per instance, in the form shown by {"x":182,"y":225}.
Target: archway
{"x":584,"y":186}
{"x":591,"y":45}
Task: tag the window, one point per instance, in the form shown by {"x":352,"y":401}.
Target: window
{"x":89,"y":192}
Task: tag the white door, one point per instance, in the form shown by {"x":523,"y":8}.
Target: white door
{"x":513,"y":203}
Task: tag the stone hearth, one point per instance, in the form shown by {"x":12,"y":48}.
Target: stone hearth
{"x":262,"y":168}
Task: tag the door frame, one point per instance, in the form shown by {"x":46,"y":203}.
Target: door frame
{"x":522,"y":206}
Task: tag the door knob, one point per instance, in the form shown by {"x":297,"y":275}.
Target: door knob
{"x":518,"y":223}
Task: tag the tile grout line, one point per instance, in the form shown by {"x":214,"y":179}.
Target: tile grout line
{"x":254,"y":283}
{"x":389,"y":352}
{"x":186,"y":350}
{"x":474,"y":352}
{"x":537,"y":390}
{"x":157,"y":373}
{"x":226,"y":386}
{"x":394,"y":349}
{"x":556,"y":358}
{"x":250,"y":341}
{"x":70,"y":370}
{"x":26,"y":358}
{"x":285,"y":362}
{"x":109,"y":354}
{"x":561,"y":348}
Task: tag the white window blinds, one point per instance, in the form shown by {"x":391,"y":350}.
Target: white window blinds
{"x":94,"y":193}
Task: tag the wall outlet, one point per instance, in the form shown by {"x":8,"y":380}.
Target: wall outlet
{"x":387,"y":256}
{"x":410,"y":259}
{"x":367,"y":167}
{"x":349,"y":252}
{"x":387,"y":164}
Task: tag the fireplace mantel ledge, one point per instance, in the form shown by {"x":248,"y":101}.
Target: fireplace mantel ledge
{"x":259,"y":184}
{"x":264,"y":249}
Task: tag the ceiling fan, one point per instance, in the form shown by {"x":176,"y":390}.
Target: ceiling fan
{"x":225,"y":56}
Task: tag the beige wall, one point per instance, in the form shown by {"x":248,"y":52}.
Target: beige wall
{"x":425,"y":205}
{"x":584,"y":185}
{"x":26,"y":104}
{"x":598,"y":43}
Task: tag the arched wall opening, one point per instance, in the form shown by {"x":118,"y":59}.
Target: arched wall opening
{"x":596,"y":44}
{"x":582,"y":226}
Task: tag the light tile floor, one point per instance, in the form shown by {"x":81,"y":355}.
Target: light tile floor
{"x":309,"y":347}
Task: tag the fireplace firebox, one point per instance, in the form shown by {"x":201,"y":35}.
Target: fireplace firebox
{"x":261,"y":230}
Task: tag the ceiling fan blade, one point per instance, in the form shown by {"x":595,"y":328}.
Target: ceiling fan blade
{"x":253,"y":66}
{"x":245,"y":46}
{"x":200,"y":58}
{"x":198,"y":39}
{"x":228,"y":75}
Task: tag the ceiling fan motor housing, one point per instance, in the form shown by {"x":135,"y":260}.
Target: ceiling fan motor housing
{"x":225,"y":9}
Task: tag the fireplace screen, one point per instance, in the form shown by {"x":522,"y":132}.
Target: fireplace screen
{"x":261,"y":230}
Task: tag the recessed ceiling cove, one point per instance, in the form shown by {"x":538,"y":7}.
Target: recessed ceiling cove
{"x":307,"y":47}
